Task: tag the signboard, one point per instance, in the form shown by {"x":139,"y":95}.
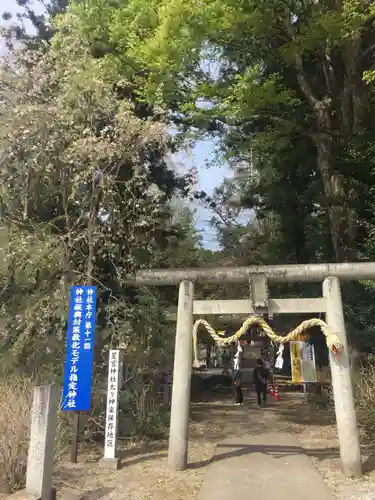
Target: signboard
{"x":303,"y":362}
{"x":114,"y":383}
{"x":79,"y":349}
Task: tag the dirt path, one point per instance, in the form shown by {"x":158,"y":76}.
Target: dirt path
{"x":316,"y":431}
{"x":144,"y":474}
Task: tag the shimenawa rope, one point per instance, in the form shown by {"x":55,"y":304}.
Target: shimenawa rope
{"x":334,"y":344}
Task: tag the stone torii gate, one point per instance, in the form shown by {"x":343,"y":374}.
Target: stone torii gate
{"x":257,"y":277}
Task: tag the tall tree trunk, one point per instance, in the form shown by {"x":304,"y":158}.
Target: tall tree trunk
{"x":333,"y":183}
{"x":333,"y":190}
{"x":68,"y":274}
{"x":351,"y":109}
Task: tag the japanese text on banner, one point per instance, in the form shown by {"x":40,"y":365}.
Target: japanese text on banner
{"x":303,"y":362}
{"x":79,"y":349}
{"x":112,"y":403}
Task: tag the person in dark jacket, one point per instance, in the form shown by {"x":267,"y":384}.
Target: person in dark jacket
{"x":237,"y":386}
{"x":260,"y":382}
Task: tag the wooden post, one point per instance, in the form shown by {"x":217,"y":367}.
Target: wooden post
{"x":74,"y":440}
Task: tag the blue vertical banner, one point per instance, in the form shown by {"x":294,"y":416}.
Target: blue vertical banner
{"x":79,"y":349}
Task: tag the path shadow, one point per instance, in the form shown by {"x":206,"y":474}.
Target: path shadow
{"x":210,"y":396}
{"x":369,"y":464}
{"x":98,"y":493}
{"x":200,"y":411}
{"x":147,"y":457}
{"x":243,"y":420}
{"x":274,"y":451}
{"x":142,"y":453}
{"x":142,"y":449}
{"x":95,"y":494}
{"x":307,"y":414}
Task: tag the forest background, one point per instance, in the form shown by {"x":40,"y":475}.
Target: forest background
{"x":97,"y":100}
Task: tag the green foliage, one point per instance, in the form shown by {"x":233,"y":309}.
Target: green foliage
{"x":85,"y":198}
{"x":365,"y":398}
{"x":280,"y":77}
{"x":287,"y":100}
{"x":86,"y":194}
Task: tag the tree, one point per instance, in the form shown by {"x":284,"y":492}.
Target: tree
{"x":85,"y":197}
{"x":282,"y":70}
{"x":287,"y":100}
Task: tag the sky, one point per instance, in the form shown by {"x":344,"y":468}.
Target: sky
{"x":208,"y":178}
{"x":8,"y":5}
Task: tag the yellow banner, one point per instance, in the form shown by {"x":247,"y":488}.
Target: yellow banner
{"x":295,"y":355}
{"x":303,"y":362}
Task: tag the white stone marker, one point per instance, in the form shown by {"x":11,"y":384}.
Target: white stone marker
{"x":110,"y":460}
{"x":42,"y":442}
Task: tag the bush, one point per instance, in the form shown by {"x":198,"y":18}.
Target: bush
{"x":15,"y":404}
{"x":16,"y":395}
{"x":142,"y":413}
{"x":365,"y":394}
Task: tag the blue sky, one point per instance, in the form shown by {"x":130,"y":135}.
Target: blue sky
{"x":209,"y":178}
{"x":8,"y":5}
